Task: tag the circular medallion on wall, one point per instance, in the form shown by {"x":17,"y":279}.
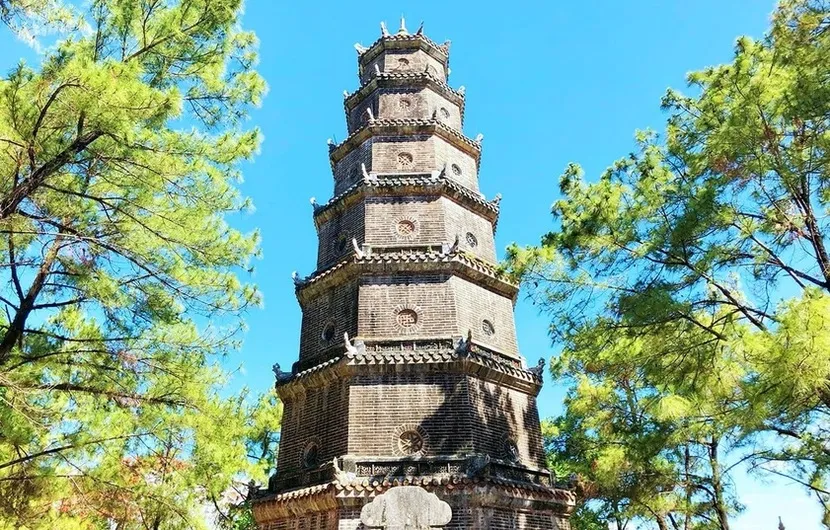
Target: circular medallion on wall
{"x":404,"y":104}
{"x":445,"y":114}
{"x":403,"y":63}
{"x":456,"y":170}
{"x":406,"y":228}
{"x":409,"y":440}
{"x":488,"y":328}
{"x":510,"y":450}
{"x":310,"y":457}
{"x":471,"y":240}
{"x":404,"y":160}
{"x":407,"y":318}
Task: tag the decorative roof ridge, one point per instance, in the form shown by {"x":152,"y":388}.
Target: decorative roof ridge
{"x":405,"y":75}
{"x":310,"y":371}
{"x":400,"y":37}
{"x":349,"y":484}
{"x":345,"y":482}
{"x":392,"y":180}
{"x":448,"y":254}
{"x":298,"y":493}
{"x":403,"y":122}
{"x":443,"y":356}
{"x":445,"y":351}
{"x":483,"y":265}
{"x":358,"y":257}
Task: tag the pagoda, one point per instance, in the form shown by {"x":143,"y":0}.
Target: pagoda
{"x":409,"y":374}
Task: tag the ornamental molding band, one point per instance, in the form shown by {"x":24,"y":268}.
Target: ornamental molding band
{"x":410,"y":405}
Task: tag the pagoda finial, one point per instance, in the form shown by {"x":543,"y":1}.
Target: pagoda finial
{"x":403,"y":30}
{"x":420,"y":29}
{"x":383,"y":31}
{"x":780,"y":523}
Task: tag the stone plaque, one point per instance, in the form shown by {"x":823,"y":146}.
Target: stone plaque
{"x":406,"y":508}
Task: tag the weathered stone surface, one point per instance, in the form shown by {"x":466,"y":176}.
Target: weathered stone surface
{"x":406,"y":508}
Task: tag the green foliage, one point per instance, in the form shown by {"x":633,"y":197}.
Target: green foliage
{"x":119,"y":157}
{"x":690,"y":288}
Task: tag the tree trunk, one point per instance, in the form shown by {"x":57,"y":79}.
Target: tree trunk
{"x":717,"y":486}
{"x":18,"y":324}
{"x":687,"y":465}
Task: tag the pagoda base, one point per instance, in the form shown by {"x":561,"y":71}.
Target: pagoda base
{"x":477,"y":504}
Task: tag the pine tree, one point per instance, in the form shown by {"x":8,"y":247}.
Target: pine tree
{"x":119,"y":156}
{"x":690,"y":286}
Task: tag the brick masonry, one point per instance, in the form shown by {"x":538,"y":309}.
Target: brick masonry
{"x":405,"y":155}
{"x":393,"y":61}
{"x":428,"y":386}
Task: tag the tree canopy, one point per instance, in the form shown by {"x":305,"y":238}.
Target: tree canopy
{"x":119,"y":159}
{"x":689,"y":286}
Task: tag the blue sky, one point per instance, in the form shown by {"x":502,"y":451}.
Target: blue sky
{"x":547,"y":83}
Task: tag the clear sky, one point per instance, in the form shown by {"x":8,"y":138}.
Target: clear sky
{"x":547,"y":83}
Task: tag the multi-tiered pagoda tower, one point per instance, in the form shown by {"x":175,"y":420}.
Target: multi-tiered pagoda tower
{"x":409,"y":372}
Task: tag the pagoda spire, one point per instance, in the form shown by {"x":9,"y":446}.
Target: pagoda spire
{"x":409,"y":383}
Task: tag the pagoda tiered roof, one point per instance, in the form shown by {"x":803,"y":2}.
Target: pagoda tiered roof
{"x":403,"y":39}
{"x":379,"y":184}
{"x":409,"y":79}
{"x":406,"y":126}
{"x":410,"y":259}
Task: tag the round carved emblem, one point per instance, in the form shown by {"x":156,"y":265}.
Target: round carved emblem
{"x":403,"y":63}
{"x":471,"y":240}
{"x":488,"y":328}
{"x":444,"y":113}
{"x":407,"y":318}
{"x":405,"y":227}
{"x":510,"y":451}
{"x":410,"y":442}
{"x":404,"y":104}
{"x":456,"y":170}
{"x":409,"y":439}
{"x":404,"y":160}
